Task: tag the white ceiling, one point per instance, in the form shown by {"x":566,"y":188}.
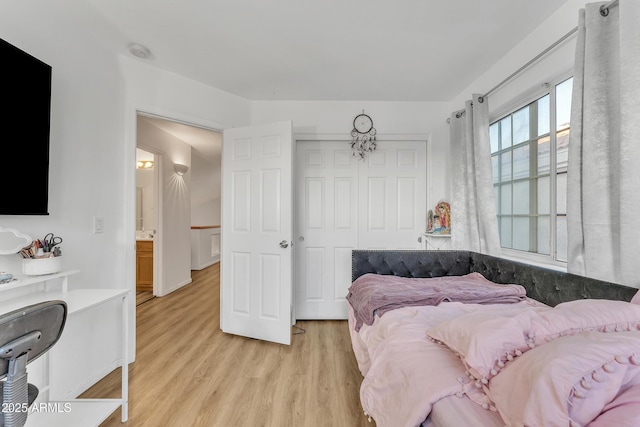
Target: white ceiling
{"x":382,"y":50}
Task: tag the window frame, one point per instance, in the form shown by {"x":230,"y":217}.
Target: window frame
{"x":527,"y":98}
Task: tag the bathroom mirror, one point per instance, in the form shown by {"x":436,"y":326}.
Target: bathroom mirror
{"x":139,"y":218}
{"x":11,"y":241}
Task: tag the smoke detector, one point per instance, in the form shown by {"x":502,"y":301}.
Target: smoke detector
{"x":139,"y":51}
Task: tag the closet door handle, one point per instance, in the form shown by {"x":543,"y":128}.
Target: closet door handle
{"x":284,"y":244}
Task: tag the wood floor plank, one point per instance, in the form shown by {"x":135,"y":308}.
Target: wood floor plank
{"x":189,"y":373}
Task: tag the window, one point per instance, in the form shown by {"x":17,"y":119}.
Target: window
{"x":529,"y":165}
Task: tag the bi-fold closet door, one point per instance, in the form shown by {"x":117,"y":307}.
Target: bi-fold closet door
{"x":343,"y":203}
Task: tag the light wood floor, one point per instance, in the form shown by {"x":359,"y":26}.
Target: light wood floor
{"x":189,"y":373}
{"x":143,"y":296}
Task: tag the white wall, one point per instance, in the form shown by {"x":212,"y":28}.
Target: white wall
{"x":205,"y":190}
{"x":334,"y":119}
{"x":86,"y":169}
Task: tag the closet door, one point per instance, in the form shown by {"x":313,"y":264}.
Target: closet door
{"x":327,"y":227}
{"x":343,"y":203}
{"x":392,"y":196}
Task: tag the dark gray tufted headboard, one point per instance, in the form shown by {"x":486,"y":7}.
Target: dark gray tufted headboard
{"x":549,"y":286}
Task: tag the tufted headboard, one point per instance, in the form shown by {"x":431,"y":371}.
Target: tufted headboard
{"x":548,"y":286}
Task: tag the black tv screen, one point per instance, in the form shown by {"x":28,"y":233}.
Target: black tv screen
{"x":25,"y":105}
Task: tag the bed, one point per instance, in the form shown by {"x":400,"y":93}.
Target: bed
{"x":458,"y":338}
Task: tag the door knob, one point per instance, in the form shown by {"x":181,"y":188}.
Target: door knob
{"x":284,"y":244}
{"x":420,"y":239}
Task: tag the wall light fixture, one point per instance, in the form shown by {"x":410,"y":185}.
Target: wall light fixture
{"x":180,"y":168}
{"x":144,"y":164}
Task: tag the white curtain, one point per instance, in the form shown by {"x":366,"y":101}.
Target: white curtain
{"x":473,"y":212}
{"x":603,"y":196}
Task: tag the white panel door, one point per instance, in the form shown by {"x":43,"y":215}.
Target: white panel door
{"x":327,"y":227}
{"x":257,"y":226}
{"x":343,"y":203}
{"x":393,"y":199}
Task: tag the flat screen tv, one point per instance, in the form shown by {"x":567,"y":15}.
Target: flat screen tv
{"x":25,"y":105}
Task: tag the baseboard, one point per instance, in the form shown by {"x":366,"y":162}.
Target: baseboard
{"x":176,"y":287}
{"x":213,"y":260}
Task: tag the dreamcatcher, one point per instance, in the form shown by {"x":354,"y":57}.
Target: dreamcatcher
{"x":363,"y":136}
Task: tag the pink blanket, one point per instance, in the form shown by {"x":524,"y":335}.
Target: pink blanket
{"x":580,"y":364}
{"x":372,"y":294}
{"x":404,"y":372}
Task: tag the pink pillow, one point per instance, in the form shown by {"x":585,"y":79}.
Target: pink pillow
{"x":571,"y":381}
{"x":487,"y":341}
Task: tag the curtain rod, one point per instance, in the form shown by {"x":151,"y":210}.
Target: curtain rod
{"x":604,"y":11}
{"x":531,"y":62}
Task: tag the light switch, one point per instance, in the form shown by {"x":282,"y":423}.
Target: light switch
{"x":97,"y":224}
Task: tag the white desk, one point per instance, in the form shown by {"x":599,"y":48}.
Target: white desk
{"x":77,"y":412}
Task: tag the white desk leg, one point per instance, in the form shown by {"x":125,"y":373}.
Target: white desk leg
{"x":125,"y":358}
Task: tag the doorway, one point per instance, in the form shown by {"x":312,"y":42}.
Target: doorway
{"x":187,"y":193}
{"x":147,"y":187}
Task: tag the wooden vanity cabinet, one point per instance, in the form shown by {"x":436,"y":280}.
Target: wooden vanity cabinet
{"x":144,"y":265}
